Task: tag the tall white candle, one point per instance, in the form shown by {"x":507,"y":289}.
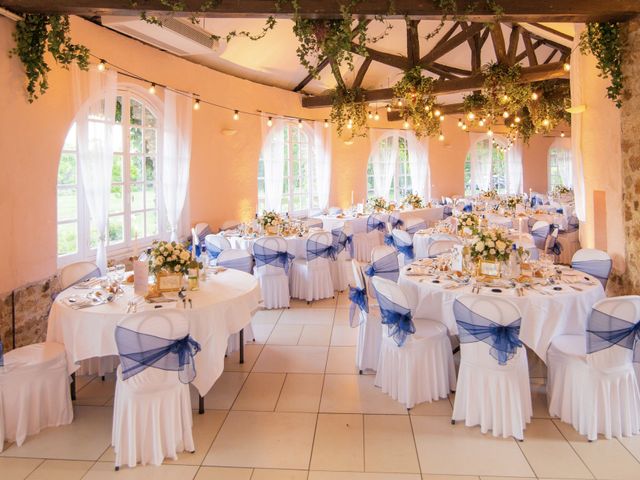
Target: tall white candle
{"x":351,"y":197}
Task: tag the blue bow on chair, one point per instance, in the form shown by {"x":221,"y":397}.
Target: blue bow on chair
{"x":395,"y":220}
{"x":596,"y":268}
{"x":358,"y":298}
{"x":267,"y":256}
{"x":467,"y":208}
{"x":375,"y":222}
{"x":397,"y":319}
{"x":139,"y":351}
{"x":604,"y":331}
{"x":317,"y":249}
{"x":385,"y":267}
{"x":1,"y":354}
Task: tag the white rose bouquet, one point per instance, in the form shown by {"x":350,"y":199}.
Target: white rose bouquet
{"x":511,"y":202}
{"x":413,"y":200}
{"x":169,"y":257}
{"x":468,"y":223}
{"x":561,"y":190}
{"x":270,"y":219}
{"x":378,"y":204}
{"x":489,"y":194}
{"x":491,"y":244}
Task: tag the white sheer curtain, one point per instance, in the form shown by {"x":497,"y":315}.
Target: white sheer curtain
{"x":384,"y":152}
{"x":273,"y":158}
{"x":321,"y":158}
{"x":561,"y":148}
{"x":95,"y":100}
{"x":419,"y":163}
{"x":513,"y":158}
{"x":480,"y":159}
{"x":576,"y":127}
{"x":176,"y":156}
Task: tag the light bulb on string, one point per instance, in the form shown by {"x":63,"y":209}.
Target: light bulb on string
{"x":460,"y":122}
{"x":562,"y":134}
{"x":505,"y":114}
{"x":388,"y":108}
{"x":566,"y":66}
{"x":534,"y":96}
{"x":399,"y":103}
{"x":102,"y":66}
{"x":236,"y":115}
{"x":376,"y":117}
{"x":546,"y":122}
{"x":442,"y":118}
{"x":481,"y":122}
{"x":326,"y":124}
{"x":300,"y":123}
{"x":441,"y":137}
{"x":517,"y":119}
{"x":464,"y":126}
{"x":471,"y":115}
{"x":437,"y":113}
{"x":196,"y":104}
{"x":152,"y":89}
{"x":405,"y":124}
{"x":370,"y":115}
{"x":505,"y":98}
{"x":490,"y":133}
{"x":269,"y":122}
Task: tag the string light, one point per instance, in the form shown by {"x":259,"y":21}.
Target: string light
{"x":152,"y":89}
{"x":489,"y":133}
{"x":399,"y":102}
{"x":562,"y":134}
{"x":300,"y":123}
{"x":481,"y":122}
{"x":437,"y":113}
{"x":442,"y":118}
{"x":545,"y":122}
{"x":517,"y":119}
{"x":326,"y":124}
{"x":102,"y":66}
{"x":441,"y":137}
{"x":464,"y":126}
{"x":471,"y":116}
{"x":405,"y":124}
{"x":196,"y":104}
{"x":460,"y":122}
{"x":370,"y":115}
{"x":236,"y":114}
{"x":388,"y":108}
{"x":505,"y":115}
{"x":505,"y":98}
{"x":566,"y":67}
{"x":376,"y":117}
{"x":534,"y":96}
{"x":269,"y":122}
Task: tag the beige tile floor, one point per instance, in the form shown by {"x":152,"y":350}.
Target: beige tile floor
{"x":297,"y":409}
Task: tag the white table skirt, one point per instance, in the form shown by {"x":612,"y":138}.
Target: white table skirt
{"x":223,"y":306}
{"x":543,"y":316}
{"x":295,"y":245}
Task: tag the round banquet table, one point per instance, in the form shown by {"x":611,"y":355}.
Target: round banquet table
{"x":295,"y":245}
{"x":223,"y":306}
{"x":544,"y":315}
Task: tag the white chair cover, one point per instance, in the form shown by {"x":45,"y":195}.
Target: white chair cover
{"x":311,"y":276}
{"x":422,"y":369}
{"x":378,"y":253}
{"x":413,"y":224}
{"x":569,"y":245}
{"x":216,"y":243}
{"x":152,"y":417}
{"x":401,"y":239}
{"x":496,"y":397}
{"x":34,"y":391}
{"x":369,"y":331}
{"x":596,"y":392}
{"x":274,"y":280}
{"x":594,"y":262}
{"x":441,"y":245}
{"x":341,"y":272}
{"x":229,"y":225}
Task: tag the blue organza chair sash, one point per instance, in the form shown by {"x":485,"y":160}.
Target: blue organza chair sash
{"x":402,"y":247}
{"x":596,"y":268}
{"x":447,"y":211}
{"x":413,"y":229}
{"x":359,"y":299}
{"x":395,"y":220}
{"x":376,"y":222}
{"x":341,"y":241}
{"x":535,"y":200}
{"x":139,"y":351}
{"x":540,"y":236}
{"x":244,"y":264}
{"x":397,"y":319}
{"x":554,"y":246}
{"x":267,"y":256}
{"x":573,"y":223}
{"x":92,"y":274}
{"x":385,"y":267}
{"x":604,"y":331}
{"x":321,"y":250}
{"x":472,"y":327}
{"x":468,"y":208}
{"x":1,"y":354}
{"x":213,"y":250}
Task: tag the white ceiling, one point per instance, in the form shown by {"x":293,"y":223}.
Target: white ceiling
{"x":273,"y":61}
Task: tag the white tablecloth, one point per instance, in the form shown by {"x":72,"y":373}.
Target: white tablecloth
{"x":295,"y":245}
{"x":543,"y":316}
{"x":222,"y":307}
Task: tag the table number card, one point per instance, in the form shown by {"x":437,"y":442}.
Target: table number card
{"x":456,"y":258}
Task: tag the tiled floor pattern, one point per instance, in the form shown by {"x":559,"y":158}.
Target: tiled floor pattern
{"x":297,"y":409}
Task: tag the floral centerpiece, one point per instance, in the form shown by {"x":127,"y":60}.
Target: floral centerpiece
{"x":270,"y":220}
{"x":468,"y":223}
{"x":489,"y":194}
{"x":512,"y":201}
{"x":169,"y":257}
{"x":413,"y":200}
{"x":491,"y":245}
{"x":561,"y":190}
{"x":378,"y":204}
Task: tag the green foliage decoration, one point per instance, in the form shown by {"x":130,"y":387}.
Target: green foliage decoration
{"x":35,"y":36}
{"x":348,"y":111}
{"x":418,"y":102}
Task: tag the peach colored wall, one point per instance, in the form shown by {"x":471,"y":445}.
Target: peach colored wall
{"x":223,"y":168}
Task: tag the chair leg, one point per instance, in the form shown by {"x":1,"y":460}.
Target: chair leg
{"x":200,"y":404}
{"x":117,"y":468}
{"x":102,"y":378}
{"x":241,"y":345}
{"x":360,"y":372}
{"x":73,"y":386}
{"x":453,"y":422}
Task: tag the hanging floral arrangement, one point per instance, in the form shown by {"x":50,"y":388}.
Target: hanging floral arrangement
{"x":415,"y":92}
{"x":348,"y":112}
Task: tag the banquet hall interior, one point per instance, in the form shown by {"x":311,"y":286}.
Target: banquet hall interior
{"x":320,"y":240}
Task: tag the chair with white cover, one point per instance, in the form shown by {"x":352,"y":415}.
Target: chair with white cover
{"x":592,"y":384}
{"x":384,"y":263}
{"x":364,"y":313}
{"x":272,"y":270}
{"x":413,"y":225}
{"x":334,"y":211}
{"x":540,"y":231}
{"x":152,"y":417}
{"x":230,"y":225}
{"x":341,"y":272}
{"x":311,"y":276}
{"x":73,"y":274}
{"x":404,"y":245}
{"x":34,"y":391}
{"x":215,"y":245}
{"x":237,"y":259}
{"x":416,"y":362}
{"x":312,"y":223}
{"x":596,"y":263}
{"x":202,"y":230}
{"x":493,"y":388}
{"x":442,"y":244}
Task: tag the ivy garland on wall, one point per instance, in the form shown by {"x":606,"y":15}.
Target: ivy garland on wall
{"x":35,"y":35}
{"x":415,"y":91}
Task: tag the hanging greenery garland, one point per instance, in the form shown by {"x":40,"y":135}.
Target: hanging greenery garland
{"x":349,"y":112}
{"x":605,"y":41}
{"x":415,"y":91}
{"x":35,"y":35}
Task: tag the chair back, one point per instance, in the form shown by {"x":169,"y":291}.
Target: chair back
{"x":77,"y":272}
{"x":489,"y":329}
{"x":202,"y":230}
{"x":403,"y":243}
{"x":442,"y":244}
{"x":414,"y":224}
{"x":271,"y":256}
{"x":394,"y":309}
{"x":334,"y":211}
{"x":540,"y":232}
{"x":395,"y":221}
{"x":377,"y":221}
{"x":342,"y":239}
{"x":613,"y":331}
{"x":216,"y":244}
{"x":236,"y":259}
{"x":358,"y":295}
{"x":596,"y":263}
{"x":319,"y":247}
{"x":384,"y":263}
{"x":230,"y":225}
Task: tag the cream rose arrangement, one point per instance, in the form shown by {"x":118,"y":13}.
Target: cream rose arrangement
{"x":468,"y":223}
{"x":491,"y":244}
{"x":169,"y":257}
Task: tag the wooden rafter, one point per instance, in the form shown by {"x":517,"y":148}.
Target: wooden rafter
{"x":458,"y":39}
{"x":550,"y":57}
{"x":453,"y":108}
{"x":514,"y":10}
{"x":413,"y":43}
{"x":522,"y":55}
{"x":357,"y":82}
{"x":442,"y":87}
{"x":528,"y":48}
{"x":335,"y":69}
{"x":514,"y":38}
{"x":553,"y":31}
{"x":498,"y":44}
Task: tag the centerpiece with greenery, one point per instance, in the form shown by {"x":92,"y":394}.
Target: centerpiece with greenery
{"x":270,"y":220}
{"x":413,"y":200}
{"x":491,"y":245}
{"x":468,"y":224}
{"x":378,"y":204}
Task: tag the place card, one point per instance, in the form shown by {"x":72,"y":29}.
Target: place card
{"x":140,"y":277}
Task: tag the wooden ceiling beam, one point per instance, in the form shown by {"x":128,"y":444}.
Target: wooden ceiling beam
{"x":413,"y":43}
{"x":450,"y":109}
{"x":522,"y":55}
{"x":391,"y":59}
{"x":357,"y":82}
{"x":550,"y":57}
{"x":513,"y":10}
{"x":458,"y":39}
{"x":448,"y":34}
{"x":443,"y":87}
{"x":552,"y":31}
{"x":528,"y":48}
{"x":498,"y":44}
{"x":514,"y":38}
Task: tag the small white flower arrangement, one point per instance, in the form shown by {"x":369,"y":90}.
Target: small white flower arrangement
{"x":413,"y":200}
{"x":512,"y":201}
{"x":270,"y":219}
{"x":378,"y":204}
{"x":489,"y":194}
{"x":169,"y":257}
{"x":491,"y":244}
{"x":561,"y":190}
{"x":468,"y":223}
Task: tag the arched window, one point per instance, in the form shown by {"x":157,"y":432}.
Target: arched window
{"x":289,"y":146}
{"x":486,"y":167}
{"x":134,"y":203}
{"x":389,"y":164}
{"x":559,"y":164}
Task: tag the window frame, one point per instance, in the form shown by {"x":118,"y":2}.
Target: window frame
{"x":496,"y":140}
{"x":552,"y":156}
{"x":398,"y":174}
{"x":86,"y":252}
